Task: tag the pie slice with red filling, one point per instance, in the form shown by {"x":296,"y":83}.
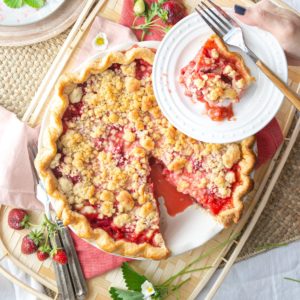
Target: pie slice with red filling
{"x":216,"y":77}
{"x":105,"y":132}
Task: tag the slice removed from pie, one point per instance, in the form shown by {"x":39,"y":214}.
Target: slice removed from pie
{"x":217,"y":77}
{"x":104,"y":128}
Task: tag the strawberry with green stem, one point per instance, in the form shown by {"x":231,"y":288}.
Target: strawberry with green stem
{"x":35,"y":241}
{"x":31,"y":241}
{"x":58,"y":254}
{"x":18,"y":219}
{"x":44,"y":250}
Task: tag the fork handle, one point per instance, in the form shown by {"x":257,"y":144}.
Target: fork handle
{"x":291,"y":95}
{"x":78,"y":279}
{"x":62,"y":275}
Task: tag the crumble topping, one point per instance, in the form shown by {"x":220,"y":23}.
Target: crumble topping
{"x":112,"y":127}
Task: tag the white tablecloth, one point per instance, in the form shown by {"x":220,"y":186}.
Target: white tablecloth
{"x":262,"y":277}
{"x":10,"y":291}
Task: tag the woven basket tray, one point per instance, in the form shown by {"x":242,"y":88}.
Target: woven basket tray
{"x":155,"y":270}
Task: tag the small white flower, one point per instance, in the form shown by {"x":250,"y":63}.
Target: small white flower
{"x":100,"y":42}
{"x":147,"y":290}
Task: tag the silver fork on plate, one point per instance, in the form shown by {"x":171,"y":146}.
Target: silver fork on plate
{"x":70,"y":280}
{"x":231,"y":33}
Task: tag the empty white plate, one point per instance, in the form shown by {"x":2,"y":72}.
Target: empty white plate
{"x":257,"y":106}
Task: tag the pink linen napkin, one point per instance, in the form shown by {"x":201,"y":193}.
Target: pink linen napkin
{"x":16,"y":181}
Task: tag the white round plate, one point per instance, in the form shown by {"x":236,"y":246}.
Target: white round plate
{"x":257,"y":106}
{"x":183,"y":232}
{"x":26,"y":15}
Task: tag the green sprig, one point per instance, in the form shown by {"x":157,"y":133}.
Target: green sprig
{"x":270,"y":246}
{"x":292,"y":279}
{"x":149,"y":13}
{"x":51,"y":227}
{"x":134,"y":280}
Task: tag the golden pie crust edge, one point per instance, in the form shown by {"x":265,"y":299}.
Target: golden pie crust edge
{"x":246,"y":165}
{"x":242,"y":68}
{"x":79,"y":222}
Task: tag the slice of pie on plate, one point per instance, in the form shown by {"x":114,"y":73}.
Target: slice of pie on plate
{"x":104,"y":127}
{"x":217,"y":77}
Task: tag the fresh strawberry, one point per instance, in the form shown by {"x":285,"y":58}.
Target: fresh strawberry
{"x":175,"y":10}
{"x":18,"y":219}
{"x":43,"y":252}
{"x":31,"y":242}
{"x":42,"y":255}
{"x":60,"y":256}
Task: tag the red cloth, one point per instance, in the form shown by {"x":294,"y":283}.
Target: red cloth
{"x":268,"y":141}
{"x":93,"y":261}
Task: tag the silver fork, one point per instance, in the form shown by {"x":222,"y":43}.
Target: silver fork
{"x":70,"y":280}
{"x":230,"y":31}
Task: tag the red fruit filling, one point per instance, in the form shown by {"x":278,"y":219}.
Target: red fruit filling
{"x":207,"y":198}
{"x":120,"y":233}
{"x":219,"y":113}
{"x":143,"y":69}
{"x":207,"y":68}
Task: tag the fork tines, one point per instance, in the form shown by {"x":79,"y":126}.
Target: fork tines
{"x":220,"y":23}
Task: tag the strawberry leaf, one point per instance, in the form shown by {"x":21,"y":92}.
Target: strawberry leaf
{"x":14,"y":3}
{"x":45,"y":248}
{"x":118,"y":294}
{"x":35,"y":3}
{"x":25,"y":222}
{"x":37,"y":236}
{"x":163,"y":14}
{"x":132,"y":279}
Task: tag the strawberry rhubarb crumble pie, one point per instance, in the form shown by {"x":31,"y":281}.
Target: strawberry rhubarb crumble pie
{"x":216,"y":77}
{"x":105,"y":131}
